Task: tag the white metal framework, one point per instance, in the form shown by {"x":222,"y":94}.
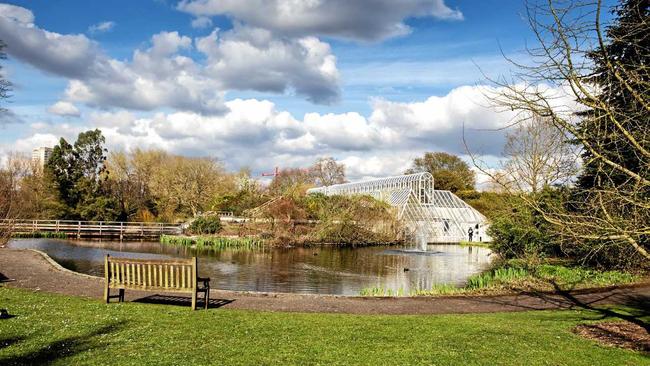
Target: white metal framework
{"x":438,"y":216}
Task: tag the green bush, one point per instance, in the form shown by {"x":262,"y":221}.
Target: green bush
{"x":205,"y":225}
{"x":522,"y":232}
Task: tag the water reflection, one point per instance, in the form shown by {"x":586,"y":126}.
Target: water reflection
{"x":322,"y":270}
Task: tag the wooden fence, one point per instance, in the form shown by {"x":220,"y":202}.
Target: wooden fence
{"x":94,"y":228}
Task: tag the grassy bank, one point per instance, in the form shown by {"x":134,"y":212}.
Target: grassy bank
{"x":517,"y":275}
{"x":481,"y":244}
{"x":212,"y":242}
{"x":61,"y":330}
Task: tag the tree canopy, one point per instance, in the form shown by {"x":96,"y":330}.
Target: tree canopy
{"x":326,"y":171}
{"x":449,"y":171}
{"x":620,"y":71}
{"x":78,"y":173}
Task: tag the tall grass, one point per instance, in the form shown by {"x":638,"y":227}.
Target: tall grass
{"x":498,"y":276}
{"x":513,"y":275}
{"x":212,"y":242}
{"x":380,"y":291}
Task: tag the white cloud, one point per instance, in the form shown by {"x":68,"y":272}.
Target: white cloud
{"x":101,"y":27}
{"x":367,"y":20}
{"x":201,"y":22}
{"x":360,"y":167}
{"x":256,"y":134}
{"x":162,"y":76}
{"x":253,"y":59}
{"x":70,"y":56}
{"x":62,"y":108}
{"x":17,"y":14}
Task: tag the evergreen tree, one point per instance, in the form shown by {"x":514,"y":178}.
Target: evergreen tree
{"x":620,"y":69}
{"x":79,"y":174}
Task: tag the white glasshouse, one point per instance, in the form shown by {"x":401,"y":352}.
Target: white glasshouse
{"x":437,"y":216}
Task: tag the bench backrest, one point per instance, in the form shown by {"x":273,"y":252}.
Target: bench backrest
{"x":178,"y":275}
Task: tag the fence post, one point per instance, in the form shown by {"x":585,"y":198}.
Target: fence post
{"x":121,"y":230}
{"x":142,"y":229}
{"x":78,"y":229}
{"x":57,"y":226}
{"x":100,"y":229}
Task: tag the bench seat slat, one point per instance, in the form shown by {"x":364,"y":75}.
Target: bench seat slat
{"x":151,"y":288}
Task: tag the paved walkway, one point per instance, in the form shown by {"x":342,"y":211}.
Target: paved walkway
{"x":34,"y":270}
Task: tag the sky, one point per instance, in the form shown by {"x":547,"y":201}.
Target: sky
{"x":262,"y":83}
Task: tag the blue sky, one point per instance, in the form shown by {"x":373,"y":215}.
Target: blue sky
{"x":373,"y":89}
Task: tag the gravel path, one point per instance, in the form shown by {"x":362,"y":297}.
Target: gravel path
{"x":34,"y":270}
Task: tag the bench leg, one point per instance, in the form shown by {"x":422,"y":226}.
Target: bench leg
{"x":206,"y":298}
{"x":107,"y":294}
{"x":121,"y":295}
{"x":194,"y":299}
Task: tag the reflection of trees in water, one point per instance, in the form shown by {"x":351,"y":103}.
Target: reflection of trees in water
{"x":316,"y":269}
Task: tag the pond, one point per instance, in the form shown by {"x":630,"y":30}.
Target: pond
{"x":315,"y":270}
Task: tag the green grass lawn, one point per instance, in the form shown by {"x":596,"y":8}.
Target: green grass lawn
{"x":73,"y":331}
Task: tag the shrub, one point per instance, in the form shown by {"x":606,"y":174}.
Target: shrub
{"x":205,"y":225}
{"x":521,"y":232}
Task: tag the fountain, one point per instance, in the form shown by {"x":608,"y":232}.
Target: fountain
{"x":421,"y":239}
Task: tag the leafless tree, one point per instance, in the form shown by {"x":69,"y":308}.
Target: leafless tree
{"x":580,"y":65}
{"x":538,"y":155}
{"x":326,"y":171}
{"x":16,"y":168}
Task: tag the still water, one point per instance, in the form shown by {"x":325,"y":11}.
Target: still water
{"x":319,"y":270}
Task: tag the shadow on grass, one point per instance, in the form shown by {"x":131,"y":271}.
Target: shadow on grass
{"x":60,"y":349}
{"x":638,"y":305}
{"x":6,"y":342}
{"x":182,"y":301}
{"x":564,"y":297}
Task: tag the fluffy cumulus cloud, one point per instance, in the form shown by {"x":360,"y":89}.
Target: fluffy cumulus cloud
{"x":255,"y":133}
{"x":62,"y":108}
{"x":366,"y":20}
{"x":164,"y":76}
{"x":463,"y":116}
{"x":247,"y":58}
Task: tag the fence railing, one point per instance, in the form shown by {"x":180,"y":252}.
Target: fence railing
{"x":93,"y":228}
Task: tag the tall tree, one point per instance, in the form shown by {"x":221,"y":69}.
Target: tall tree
{"x":606,"y":74}
{"x":291,"y":180}
{"x":6,"y":181}
{"x":79,"y":174}
{"x":186,"y":186}
{"x":449,"y":171}
{"x":326,"y":171}
{"x":538,"y":156}
{"x":620,"y":71}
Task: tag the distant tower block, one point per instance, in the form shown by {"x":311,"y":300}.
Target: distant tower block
{"x":440,"y":216}
{"x":41,"y":155}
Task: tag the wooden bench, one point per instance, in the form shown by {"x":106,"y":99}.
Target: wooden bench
{"x":175,"y":275}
